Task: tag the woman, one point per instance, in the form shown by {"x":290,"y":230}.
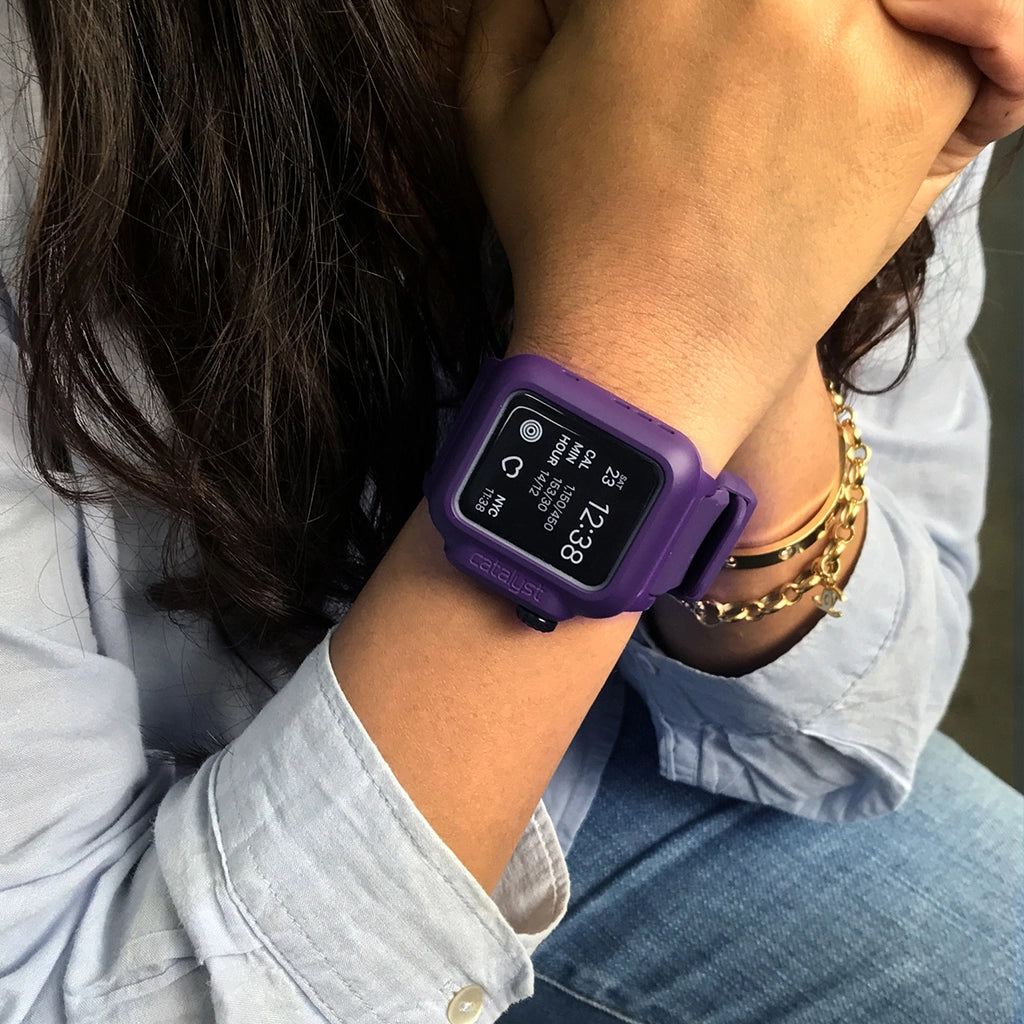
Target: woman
{"x":253,"y":278}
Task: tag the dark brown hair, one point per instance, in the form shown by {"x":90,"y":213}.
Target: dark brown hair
{"x":270,"y":202}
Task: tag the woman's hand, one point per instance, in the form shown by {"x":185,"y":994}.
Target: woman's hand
{"x":723,"y":178}
{"x":994,"y":32}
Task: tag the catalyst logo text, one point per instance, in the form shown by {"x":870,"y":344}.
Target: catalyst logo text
{"x":511,"y":579}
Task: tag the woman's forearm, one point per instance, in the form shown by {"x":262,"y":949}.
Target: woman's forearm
{"x":472,"y":709}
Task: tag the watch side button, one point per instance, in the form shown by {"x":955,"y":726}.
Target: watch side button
{"x":535,"y":621}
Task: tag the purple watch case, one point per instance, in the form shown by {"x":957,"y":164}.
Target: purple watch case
{"x":679,"y":544}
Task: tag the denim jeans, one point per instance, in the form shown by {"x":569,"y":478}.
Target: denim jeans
{"x":688,"y":907}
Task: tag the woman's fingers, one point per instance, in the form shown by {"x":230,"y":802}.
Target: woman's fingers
{"x":993,"y":30}
{"x":679,"y":163}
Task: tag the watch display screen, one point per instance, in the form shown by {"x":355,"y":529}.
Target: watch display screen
{"x":560,"y":489}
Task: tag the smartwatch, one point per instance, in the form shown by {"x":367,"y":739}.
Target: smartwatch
{"x":555,"y":493}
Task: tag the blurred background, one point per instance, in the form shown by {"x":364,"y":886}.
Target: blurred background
{"x":986,"y":716}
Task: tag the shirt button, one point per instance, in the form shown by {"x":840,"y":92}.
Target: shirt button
{"x":466,"y":1005}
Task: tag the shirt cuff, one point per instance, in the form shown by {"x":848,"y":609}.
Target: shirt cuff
{"x":314,"y":851}
{"x":753,"y":736}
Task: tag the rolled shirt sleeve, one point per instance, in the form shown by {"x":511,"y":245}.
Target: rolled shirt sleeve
{"x":297,"y":847}
{"x":833,"y":728}
{"x":289,"y":879}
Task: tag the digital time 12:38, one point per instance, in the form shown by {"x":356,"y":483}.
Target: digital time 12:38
{"x":582,"y":536}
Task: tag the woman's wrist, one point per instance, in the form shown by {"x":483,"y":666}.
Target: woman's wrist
{"x":789,"y":456}
{"x":657,"y":369}
{"x":790,"y":461}
{"x":734,"y":649}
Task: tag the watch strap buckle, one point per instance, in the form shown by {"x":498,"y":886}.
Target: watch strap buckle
{"x":716,"y":524}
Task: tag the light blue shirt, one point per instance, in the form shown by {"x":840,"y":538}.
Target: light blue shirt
{"x":291,"y":879}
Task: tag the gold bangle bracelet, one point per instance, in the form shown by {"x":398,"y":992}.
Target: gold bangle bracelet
{"x":799,"y":540}
{"x":825,"y":570}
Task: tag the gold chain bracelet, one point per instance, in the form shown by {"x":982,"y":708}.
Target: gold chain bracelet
{"x":825,"y":570}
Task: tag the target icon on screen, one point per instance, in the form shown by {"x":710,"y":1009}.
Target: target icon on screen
{"x":531,"y":431}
